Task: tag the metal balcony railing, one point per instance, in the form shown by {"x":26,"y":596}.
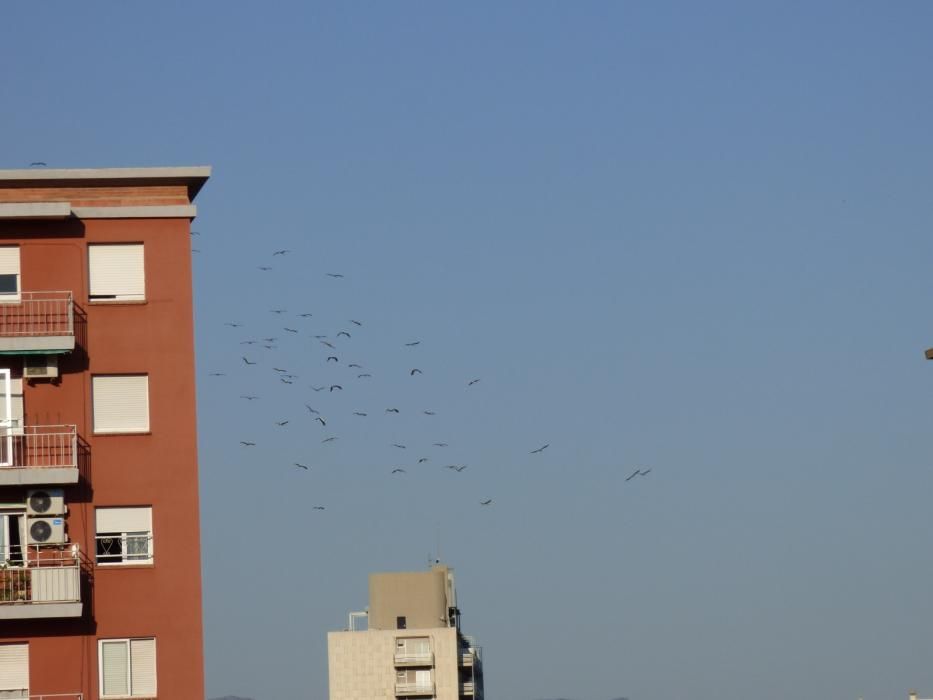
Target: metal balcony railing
{"x":420,"y":658}
{"x":40,"y":573}
{"x":403,"y":690}
{"x":39,"y":447}
{"x":38,"y":314}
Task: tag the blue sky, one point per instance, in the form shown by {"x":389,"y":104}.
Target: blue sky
{"x":690,"y":237}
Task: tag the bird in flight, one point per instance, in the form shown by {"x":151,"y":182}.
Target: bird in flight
{"x":217,"y":374}
{"x":279,"y":369}
{"x":343,"y":333}
{"x":305,"y":315}
{"x":281,"y":423}
{"x":422,"y":460}
{"x":270,"y":340}
{"x":336,"y":386}
{"x":318,"y":388}
{"x":246,"y":443}
{"x":392,"y":410}
{"x":276,"y":311}
{"x":248,"y":362}
{"x":456,"y":467}
{"x":38,"y":164}
{"x":330,"y":439}
{"x":249,"y":398}
{"x":398,"y":470}
{"x":269,"y":347}
{"x":429,"y":413}
{"x":233,"y":325}
{"x":312,"y":410}
{"x":317,"y":508}
{"x":401,"y":447}
{"x":324,"y":342}
{"x":333,"y":357}
{"x":323,"y":422}
{"x":291,"y":330}
{"x":286,"y":381}
{"x":264,"y":268}
{"x":334,"y":275}
{"x":413,"y":344}
{"x":355,"y":322}
{"x":248,"y":342}
{"x":540,"y":449}
{"x":302,"y":466}
{"x":415,"y":371}
{"x":440,"y":444}
{"x":486,"y":502}
{"x":281,"y":252}
{"x":363,"y":376}
{"x":359,"y":413}
{"x":472,"y":382}
{"x":637,"y":472}
{"x":352,"y":365}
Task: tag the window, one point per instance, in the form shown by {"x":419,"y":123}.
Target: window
{"x":127,"y":668}
{"x":124,"y":535}
{"x":12,"y":537}
{"x":9,"y":273}
{"x":14,"y":670}
{"x":117,"y":272}
{"x":121,"y":403}
{"x":400,"y":623}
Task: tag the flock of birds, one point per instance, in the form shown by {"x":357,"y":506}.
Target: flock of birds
{"x":254,"y":357}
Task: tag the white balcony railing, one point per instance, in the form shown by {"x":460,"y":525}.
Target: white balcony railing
{"x":412,"y":689}
{"x":38,"y":314}
{"x":39,"y":574}
{"x":39,"y":447}
{"x":422,"y":658}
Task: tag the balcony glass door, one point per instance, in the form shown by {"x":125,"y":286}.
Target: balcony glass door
{"x":6,"y":419}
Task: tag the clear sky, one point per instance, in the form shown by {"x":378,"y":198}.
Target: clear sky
{"x":687,"y":236}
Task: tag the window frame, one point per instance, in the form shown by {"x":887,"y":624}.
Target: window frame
{"x":125,"y":537}
{"x":129,"y":667}
{"x":17,"y":296}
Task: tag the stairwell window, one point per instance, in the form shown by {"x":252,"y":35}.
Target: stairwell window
{"x":121,"y":403}
{"x":127,"y":668}
{"x":117,"y":272}
{"x":124,"y":536}
{"x":9,"y":274}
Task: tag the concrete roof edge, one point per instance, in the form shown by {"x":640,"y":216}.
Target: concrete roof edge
{"x":193,"y":175}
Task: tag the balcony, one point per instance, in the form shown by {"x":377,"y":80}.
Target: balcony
{"x":39,"y":455}
{"x":466,"y":688}
{"x":40,"y":581}
{"x":410,"y":690}
{"x":38,"y":322}
{"x":472,"y":656}
{"x":404,"y":658}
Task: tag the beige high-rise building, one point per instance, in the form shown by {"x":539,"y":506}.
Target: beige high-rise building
{"x":407,"y":644}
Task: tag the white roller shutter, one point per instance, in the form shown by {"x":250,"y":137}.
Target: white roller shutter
{"x":121,"y":404}
{"x":14,"y":667}
{"x":143,"y":667}
{"x":114,"y":678}
{"x":124,"y":519}
{"x":117,"y":272}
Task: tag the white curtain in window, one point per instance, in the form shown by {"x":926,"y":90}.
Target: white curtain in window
{"x":117,"y":272}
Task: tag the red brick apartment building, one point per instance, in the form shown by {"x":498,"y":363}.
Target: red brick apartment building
{"x":100,"y":568}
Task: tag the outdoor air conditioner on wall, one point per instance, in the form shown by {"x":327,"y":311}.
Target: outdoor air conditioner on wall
{"x":45,"y":502}
{"x":45,"y":530}
{"x":40,"y":367}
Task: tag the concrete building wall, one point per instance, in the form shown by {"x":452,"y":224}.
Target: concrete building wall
{"x":422,"y":597}
{"x":361,"y":665}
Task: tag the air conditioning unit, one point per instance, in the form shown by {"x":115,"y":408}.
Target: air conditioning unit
{"x":45,"y":530}
{"x":40,"y":367}
{"x":45,"y":502}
